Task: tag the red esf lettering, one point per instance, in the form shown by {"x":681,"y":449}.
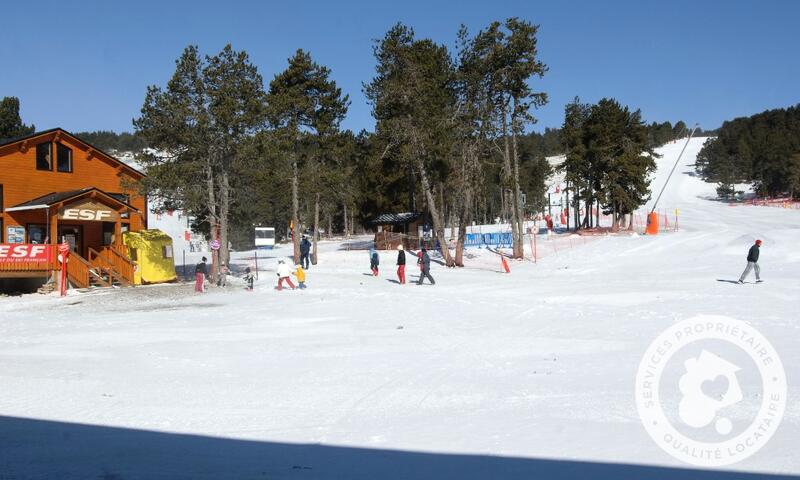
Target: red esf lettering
{"x":23,"y":251}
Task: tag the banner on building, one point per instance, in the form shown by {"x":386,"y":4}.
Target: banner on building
{"x":23,"y":252}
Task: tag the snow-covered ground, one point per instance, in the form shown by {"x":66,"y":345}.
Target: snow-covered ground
{"x":484,"y":375}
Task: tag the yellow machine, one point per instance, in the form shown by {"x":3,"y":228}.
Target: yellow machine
{"x":151,"y":251}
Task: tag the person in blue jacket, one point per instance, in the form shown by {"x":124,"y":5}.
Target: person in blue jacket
{"x":374,"y":261}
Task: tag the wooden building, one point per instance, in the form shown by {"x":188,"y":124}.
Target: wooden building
{"x":56,"y":188}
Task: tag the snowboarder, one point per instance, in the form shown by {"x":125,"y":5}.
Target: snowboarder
{"x":752,"y":263}
{"x":248,"y":279}
{"x":284,"y":274}
{"x":200,"y":275}
{"x":401,"y":264}
{"x":305,"y":250}
{"x":374,"y":261}
{"x":301,"y":276}
{"x":424,"y":262}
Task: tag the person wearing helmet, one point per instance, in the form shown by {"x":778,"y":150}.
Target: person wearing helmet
{"x":284,"y":272}
{"x":401,"y":264}
{"x":424,"y":262}
{"x":752,"y":263}
{"x":301,"y":276}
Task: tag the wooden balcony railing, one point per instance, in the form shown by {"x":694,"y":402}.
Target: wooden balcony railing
{"x":117,"y":256}
{"x":78,"y":271}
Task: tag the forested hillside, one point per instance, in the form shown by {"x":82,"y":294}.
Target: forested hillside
{"x":762,"y":150}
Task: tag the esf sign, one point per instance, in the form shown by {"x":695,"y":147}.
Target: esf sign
{"x":20,"y":252}
{"x":87,"y":214}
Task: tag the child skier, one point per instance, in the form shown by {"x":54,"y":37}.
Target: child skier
{"x":752,"y":262}
{"x":301,"y":276}
{"x":401,"y":264}
{"x":248,"y":279}
{"x":200,"y":274}
{"x":374,"y":261}
{"x":284,"y":273}
{"x":424,"y":262}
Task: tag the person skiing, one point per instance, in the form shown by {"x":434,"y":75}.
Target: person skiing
{"x":301,"y":276}
{"x":248,"y":279}
{"x":424,"y":262}
{"x":200,"y":275}
{"x":374,"y":261}
{"x":305,"y":250}
{"x":752,"y":262}
{"x":284,"y":274}
{"x":401,"y":264}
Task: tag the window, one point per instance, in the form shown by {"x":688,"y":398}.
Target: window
{"x":44,"y":156}
{"x":166,"y":251}
{"x":37,"y":233}
{"x":64,"y":157}
{"x":134,"y":254}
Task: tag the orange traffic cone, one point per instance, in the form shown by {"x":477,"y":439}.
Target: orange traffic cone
{"x":504,"y":264}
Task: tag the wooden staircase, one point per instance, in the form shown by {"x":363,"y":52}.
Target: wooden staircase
{"x":108,"y":267}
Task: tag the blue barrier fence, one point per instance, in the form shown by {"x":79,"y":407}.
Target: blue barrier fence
{"x":494,"y":239}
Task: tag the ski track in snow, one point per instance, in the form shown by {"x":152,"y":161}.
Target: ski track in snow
{"x":536,"y":364}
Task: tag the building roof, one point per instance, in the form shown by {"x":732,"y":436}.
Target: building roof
{"x":395,"y":218}
{"x":53,"y":198}
{"x":4,"y":143}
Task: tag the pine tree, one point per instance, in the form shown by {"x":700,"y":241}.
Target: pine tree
{"x":305,"y":108}
{"x":11,"y":125}
{"x":413,"y":100}
{"x":202,"y":125}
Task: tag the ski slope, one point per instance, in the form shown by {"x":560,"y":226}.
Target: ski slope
{"x":484,"y":375}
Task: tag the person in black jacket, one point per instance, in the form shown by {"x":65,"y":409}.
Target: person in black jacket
{"x":424,"y":262}
{"x":401,"y":264}
{"x":752,"y":262}
{"x":200,"y":275}
{"x":305,"y":250}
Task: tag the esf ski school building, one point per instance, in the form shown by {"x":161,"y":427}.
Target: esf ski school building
{"x":57,"y":189}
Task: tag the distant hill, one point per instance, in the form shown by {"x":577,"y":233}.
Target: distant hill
{"x":118,"y":142}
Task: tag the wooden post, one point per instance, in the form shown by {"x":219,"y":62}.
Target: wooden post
{"x":118,"y":231}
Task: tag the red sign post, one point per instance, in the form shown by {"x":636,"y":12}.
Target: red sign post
{"x":63,"y":250}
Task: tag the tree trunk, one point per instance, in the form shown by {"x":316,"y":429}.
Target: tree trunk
{"x":517,"y":225}
{"x":346,"y":227}
{"x":316,"y":230}
{"x":212,"y":208}
{"x":295,"y":209}
{"x":438,"y":228}
{"x":224,"y":210}
{"x":597,"y":214}
{"x":463,"y":221}
{"x":330,"y":225}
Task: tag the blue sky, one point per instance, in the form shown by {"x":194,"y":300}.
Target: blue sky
{"x":86,"y":66}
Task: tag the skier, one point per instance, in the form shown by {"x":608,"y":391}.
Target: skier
{"x":424,"y":262}
{"x":374,"y":261}
{"x":752,"y":263}
{"x":284,"y":274}
{"x":248,"y":279}
{"x":305,"y":249}
{"x":301,"y":276}
{"x":200,"y":275}
{"x":401,"y":264}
